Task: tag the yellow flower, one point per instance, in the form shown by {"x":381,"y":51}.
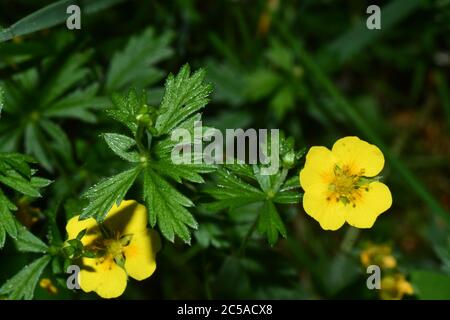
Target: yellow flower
{"x":380,"y":255}
{"x":341,"y":185}
{"x":394,"y":287}
{"x":123,"y":245}
{"x":48,"y":285}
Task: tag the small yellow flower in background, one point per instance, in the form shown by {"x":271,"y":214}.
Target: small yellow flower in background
{"x":394,"y":287}
{"x":341,"y":185}
{"x":48,"y":285}
{"x":380,"y":255}
{"x":124,"y":246}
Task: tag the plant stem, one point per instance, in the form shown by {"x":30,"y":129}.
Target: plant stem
{"x":349,"y":239}
{"x":280,"y":180}
{"x":139,"y":134}
{"x":241,"y":251}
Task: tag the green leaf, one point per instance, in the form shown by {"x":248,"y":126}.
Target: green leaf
{"x":38,"y":182}
{"x":18,"y":183}
{"x":108,"y":192}
{"x":34,"y":146}
{"x":2,"y":236}
{"x":50,"y":16}
{"x":58,"y":136}
{"x":22,"y":285}
{"x":6,"y":218}
{"x":166,"y":207}
{"x":125,"y":108}
{"x":270,"y":224}
{"x":28,"y":242}
{"x":431,"y":285}
{"x":76,"y":105}
{"x":184,"y":95}
{"x":230,"y":191}
{"x":178,"y":172}
{"x":134,"y":65}
{"x":287,"y":197}
{"x":120,"y":145}
{"x":17,"y":162}
{"x":69,"y":73}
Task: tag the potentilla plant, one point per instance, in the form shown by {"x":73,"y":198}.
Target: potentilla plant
{"x":114,"y":238}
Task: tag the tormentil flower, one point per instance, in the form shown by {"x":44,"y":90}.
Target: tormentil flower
{"x":380,"y":255}
{"x":341,"y":184}
{"x":123,"y":245}
{"x":394,"y":287}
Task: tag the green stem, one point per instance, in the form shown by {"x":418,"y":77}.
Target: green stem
{"x":349,"y":239}
{"x":138,"y":137}
{"x":241,"y":251}
{"x":280,"y":181}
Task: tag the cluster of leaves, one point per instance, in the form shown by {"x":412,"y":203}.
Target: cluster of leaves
{"x":149,"y":152}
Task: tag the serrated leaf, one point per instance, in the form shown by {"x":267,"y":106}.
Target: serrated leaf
{"x":166,"y":207}
{"x":6,"y":218}
{"x":231,"y":191}
{"x":22,"y":285}
{"x":17,"y":162}
{"x":38,"y":182}
{"x":28,"y":242}
{"x":34,"y":146}
{"x":180,"y":172}
{"x":287,"y":197}
{"x":270,"y":224}
{"x":125,"y":108}
{"x":18,"y":183}
{"x":184,"y":95}
{"x":121,"y":145}
{"x":76,"y":105}
{"x":133,"y":65}
{"x":106,"y":193}
{"x":59,"y":137}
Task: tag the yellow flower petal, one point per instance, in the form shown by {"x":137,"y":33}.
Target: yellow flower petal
{"x":140,"y":254}
{"x":127,"y":218}
{"x":106,"y":278}
{"x":371,"y":204}
{"x":329,"y":214}
{"x":75,"y":226}
{"x":318,"y":169}
{"x":359,"y":155}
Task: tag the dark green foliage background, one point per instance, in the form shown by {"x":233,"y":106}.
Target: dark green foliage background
{"x":317,"y":73}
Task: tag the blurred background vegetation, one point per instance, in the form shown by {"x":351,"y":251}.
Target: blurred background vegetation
{"x":310,"y":68}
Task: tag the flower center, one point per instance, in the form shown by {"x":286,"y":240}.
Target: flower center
{"x":113,"y":247}
{"x":346,"y":186}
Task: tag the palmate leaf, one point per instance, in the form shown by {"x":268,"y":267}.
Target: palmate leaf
{"x":237,"y":186}
{"x":134,"y":65}
{"x":22,"y":285}
{"x":167,"y":208}
{"x":16,"y":174}
{"x":108,"y":192}
{"x":126,"y":107}
{"x":121,"y":145}
{"x":185,"y":94}
{"x":7,"y":223}
{"x":230,"y":191}
{"x":28,"y":242}
{"x":270,"y":224}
